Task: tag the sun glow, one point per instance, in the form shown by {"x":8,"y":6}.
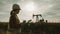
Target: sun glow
{"x":30,"y":6}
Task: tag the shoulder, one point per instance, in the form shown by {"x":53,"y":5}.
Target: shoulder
{"x":12,"y":16}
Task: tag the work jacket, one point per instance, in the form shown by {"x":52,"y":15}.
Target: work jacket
{"x":14,"y":21}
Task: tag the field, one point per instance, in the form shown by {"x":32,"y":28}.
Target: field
{"x":34,"y":28}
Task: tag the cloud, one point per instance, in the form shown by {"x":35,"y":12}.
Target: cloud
{"x":50,"y":9}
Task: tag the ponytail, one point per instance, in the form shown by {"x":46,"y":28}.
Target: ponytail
{"x":12,"y":12}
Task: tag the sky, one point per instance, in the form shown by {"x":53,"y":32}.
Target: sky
{"x":50,"y":9}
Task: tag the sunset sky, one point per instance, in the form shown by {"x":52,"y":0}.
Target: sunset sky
{"x":50,"y":9}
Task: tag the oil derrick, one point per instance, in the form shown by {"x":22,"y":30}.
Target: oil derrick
{"x":37,"y":18}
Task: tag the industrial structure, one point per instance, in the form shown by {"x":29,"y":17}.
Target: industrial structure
{"x":39,"y":27}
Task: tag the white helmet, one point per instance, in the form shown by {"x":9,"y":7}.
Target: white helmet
{"x":16,"y":6}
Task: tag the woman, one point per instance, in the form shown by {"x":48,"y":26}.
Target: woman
{"x":14,"y":20}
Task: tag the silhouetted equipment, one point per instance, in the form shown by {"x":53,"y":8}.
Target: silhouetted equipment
{"x":37,"y":17}
{"x":24,"y":21}
{"x":29,"y":21}
{"x":46,"y":21}
{"x":41,"y":21}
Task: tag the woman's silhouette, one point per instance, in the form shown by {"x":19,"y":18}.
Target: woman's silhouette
{"x":14,"y":20}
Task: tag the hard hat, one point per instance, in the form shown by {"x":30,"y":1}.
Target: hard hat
{"x":16,"y":6}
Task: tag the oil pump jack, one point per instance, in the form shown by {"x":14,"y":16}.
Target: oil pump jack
{"x":37,"y":18}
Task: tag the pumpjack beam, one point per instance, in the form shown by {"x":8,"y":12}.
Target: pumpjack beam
{"x":37,"y":18}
